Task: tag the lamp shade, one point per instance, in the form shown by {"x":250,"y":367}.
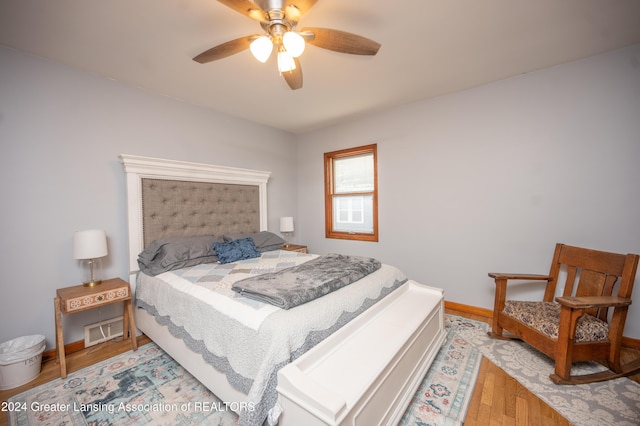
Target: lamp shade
{"x":89,"y":244}
{"x":286,"y":224}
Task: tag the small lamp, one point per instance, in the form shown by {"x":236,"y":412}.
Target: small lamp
{"x":89,"y":246}
{"x":286,"y":227}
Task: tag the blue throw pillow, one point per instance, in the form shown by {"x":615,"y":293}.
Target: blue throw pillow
{"x":235,"y":250}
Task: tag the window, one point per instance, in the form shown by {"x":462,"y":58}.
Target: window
{"x":351,"y":193}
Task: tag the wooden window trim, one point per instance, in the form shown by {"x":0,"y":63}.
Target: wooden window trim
{"x":329,"y":187}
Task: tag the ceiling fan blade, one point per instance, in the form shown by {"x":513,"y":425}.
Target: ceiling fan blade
{"x":294,"y":9}
{"x":225,"y":49}
{"x":246,"y":8}
{"x":342,"y":41}
{"x":294,"y":78}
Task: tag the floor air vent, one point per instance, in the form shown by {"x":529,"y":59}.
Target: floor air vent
{"x":102,"y":331}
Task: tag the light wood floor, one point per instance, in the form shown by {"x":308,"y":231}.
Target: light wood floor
{"x":497,"y":399}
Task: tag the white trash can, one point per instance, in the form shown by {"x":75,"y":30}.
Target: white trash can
{"x":20,"y":360}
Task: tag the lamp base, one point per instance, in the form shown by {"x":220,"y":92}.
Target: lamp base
{"x":92,"y":272}
{"x":286,"y":239}
{"x":92,"y":283}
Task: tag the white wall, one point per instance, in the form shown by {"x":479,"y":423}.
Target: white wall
{"x":61,"y":131}
{"x":489,"y":179}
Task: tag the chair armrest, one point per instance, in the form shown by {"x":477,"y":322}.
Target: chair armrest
{"x":593,"y":301}
{"x":529,"y":277}
{"x":501,"y":280}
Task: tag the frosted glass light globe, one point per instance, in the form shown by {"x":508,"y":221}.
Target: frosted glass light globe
{"x":261,"y":48}
{"x":285,"y":62}
{"x":294,"y":43}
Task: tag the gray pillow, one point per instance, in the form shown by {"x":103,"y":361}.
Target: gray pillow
{"x":264,"y":240}
{"x":171,"y":253}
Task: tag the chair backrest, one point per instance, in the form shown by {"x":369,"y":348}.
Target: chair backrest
{"x":592,"y":273}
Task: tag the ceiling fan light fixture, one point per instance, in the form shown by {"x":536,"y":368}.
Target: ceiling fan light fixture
{"x":294,"y":43}
{"x":279,"y":21}
{"x":261,"y":48}
{"x":285,"y":62}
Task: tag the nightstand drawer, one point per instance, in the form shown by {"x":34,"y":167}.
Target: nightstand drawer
{"x":93,"y":300}
{"x":78,"y":298}
{"x":295,"y":247}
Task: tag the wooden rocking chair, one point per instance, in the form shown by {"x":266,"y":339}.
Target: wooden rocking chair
{"x":585,"y":324}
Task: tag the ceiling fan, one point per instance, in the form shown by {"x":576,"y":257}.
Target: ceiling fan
{"x":279,"y":20}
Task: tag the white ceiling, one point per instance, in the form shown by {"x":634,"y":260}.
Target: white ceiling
{"x":429,"y":48}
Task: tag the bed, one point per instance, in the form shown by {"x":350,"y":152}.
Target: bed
{"x":238,"y":348}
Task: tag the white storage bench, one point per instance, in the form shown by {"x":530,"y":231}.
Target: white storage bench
{"x":367,"y":372}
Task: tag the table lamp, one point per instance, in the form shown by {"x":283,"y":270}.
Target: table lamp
{"x":90,"y":246}
{"x":286,"y":228}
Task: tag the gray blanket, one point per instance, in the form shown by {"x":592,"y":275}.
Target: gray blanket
{"x":301,"y":284}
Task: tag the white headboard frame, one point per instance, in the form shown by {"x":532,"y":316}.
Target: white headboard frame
{"x":138,"y":168}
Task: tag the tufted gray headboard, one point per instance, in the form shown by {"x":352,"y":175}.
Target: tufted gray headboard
{"x":176,"y":198}
{"x":172,"y":208}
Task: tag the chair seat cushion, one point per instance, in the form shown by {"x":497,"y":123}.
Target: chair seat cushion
{"x":545,"y":318}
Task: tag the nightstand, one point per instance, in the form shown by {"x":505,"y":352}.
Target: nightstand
{"x":295,"y":247}
{"x":70,"y":300}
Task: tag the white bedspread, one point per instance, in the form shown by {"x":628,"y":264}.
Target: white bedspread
{"x":248,"y":340}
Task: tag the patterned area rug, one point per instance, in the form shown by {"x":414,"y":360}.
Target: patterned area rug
{"x":135,"y":388}
{"x":444,"y":395}
{"x":149,"y":387}
{"x":615,"y":402}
